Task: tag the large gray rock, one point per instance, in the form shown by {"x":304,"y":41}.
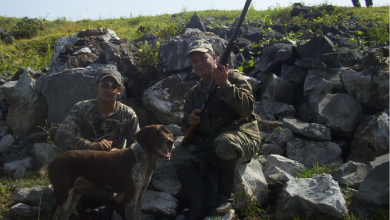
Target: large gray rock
{"x":58,"y":63}
{"x":280,"y":137}
{"x":279,"y":90}
{"x":164,"y":178}
{"x":374,"y":190}
{"x":36,"y":196}
{"x":291,"y":167}
{"x":311,"y":198}
{"x":371,"y":139}
{"x":64,"y":89}
{"x":308,"y":152}
{"x":20,"y":211}
{"x":312,"y":131}
{"x":272,"y":110}
{"x":250,"y":184}
{"x":166,"y":98}
{"x":339,"y":112}
{"x":28,"y":108}
{"x":322,"y":81}
{"x":44,"y":153}
{"x":6,"y":142}
{"x":315,"y":47}
{"x":293,"y":74}
{"x":369,"y":87}
{"x":281,"y":169}
{"x":196,"y":22}
{"x":6,"y":90}
{"x":173,"y":55}
{"x":342,"y":57}
{"x":350,"y":174}
{"x":159,"y":203}
{"x":274,"y":56}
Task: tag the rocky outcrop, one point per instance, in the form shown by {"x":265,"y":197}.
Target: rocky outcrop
{"x":320,"y":98}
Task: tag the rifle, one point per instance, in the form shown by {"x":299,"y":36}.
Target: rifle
{"x":213,"y":87}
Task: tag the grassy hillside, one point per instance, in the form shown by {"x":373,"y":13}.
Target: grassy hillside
{"x":34,"y":45}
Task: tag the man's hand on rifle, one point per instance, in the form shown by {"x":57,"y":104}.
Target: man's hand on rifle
{"x":103,"y":145}
{"x":220,"y":74}
{"x":193,"y":118}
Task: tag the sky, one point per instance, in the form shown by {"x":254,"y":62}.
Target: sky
{"x":74,"y":10}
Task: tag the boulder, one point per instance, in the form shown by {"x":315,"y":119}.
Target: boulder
{"x":311,"y":198}
{"x":322,"y":81}
{"x":312,"y":131}
{"x":196,"y":22}
{"x":369,"y":87}
{"x":274,"y":56}
{"x":341,"y":58}
{"x":310,"y":152}
{"x":21,"y":210}
{"x":159,"y":203}
{"x":279,"y":90}
{"x":36,"y":196}
{"x":250,"y":184}
{"x":166,"y":98}
{"x":339,"y":112}
{"x":350,"y":174}
{"x":253,"y":34}
{"x":173,"y":55}
{"x":44,"y":153}
{"x":315,"y":47}
{"x":64,"y":89}
{"x":280,"y":137}
{"x":6,"y":142}
{"x":373,"y":192}
{"x":293,"y":74}
{"x":28,"y":109}
{"x":272,"y":110}
{"x":267,"y":149}
{"x":291,"y":167}
{"x":6,"y":90}
{"x":61,"y":61}
{"x":164,"y":178}
{"x":371,"y":139}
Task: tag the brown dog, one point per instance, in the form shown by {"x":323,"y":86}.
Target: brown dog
{"x":124,"y":171}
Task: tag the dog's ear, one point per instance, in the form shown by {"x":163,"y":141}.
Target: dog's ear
{"x":142,"y":136}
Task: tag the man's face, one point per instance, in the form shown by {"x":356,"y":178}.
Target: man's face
{"x":203,"y":64}
{"x":107,"y":93}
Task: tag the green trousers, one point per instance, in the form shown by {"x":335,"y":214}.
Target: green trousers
{"x":228,"y":145}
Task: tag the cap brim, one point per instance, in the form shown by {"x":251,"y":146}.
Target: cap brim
{"x":203,"y":50}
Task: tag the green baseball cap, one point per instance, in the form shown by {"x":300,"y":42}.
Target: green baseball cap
{"x":200,"y":46}
{"x":114,"y":74}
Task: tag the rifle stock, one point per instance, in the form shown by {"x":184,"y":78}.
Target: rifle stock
{"x":213,"y":87}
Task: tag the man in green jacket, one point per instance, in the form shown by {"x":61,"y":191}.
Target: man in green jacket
{"x":227,"y":134}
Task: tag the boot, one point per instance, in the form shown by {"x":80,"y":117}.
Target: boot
{"x":191,"y":179}
{"x":226,"y":171}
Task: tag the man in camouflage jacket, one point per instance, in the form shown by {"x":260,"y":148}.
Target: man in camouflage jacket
{"x":227,"y":134}
{"x":101,"y":124}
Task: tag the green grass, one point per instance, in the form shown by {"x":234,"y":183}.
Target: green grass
{"x":317,"y":169}
{"x":8,"y":184}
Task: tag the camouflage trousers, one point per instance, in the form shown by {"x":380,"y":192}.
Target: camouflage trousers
{"x":228,"y":145}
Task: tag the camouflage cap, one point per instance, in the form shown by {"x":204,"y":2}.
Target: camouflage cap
{"x":200,"y":46}
{"x":114,"y":74}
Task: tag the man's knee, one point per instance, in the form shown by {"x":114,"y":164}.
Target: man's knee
{"x":226,"y":148}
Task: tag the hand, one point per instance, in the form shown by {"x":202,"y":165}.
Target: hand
{"x":103,"y":145}
{"x":193,"y":118}
{"x":220,"y":74}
